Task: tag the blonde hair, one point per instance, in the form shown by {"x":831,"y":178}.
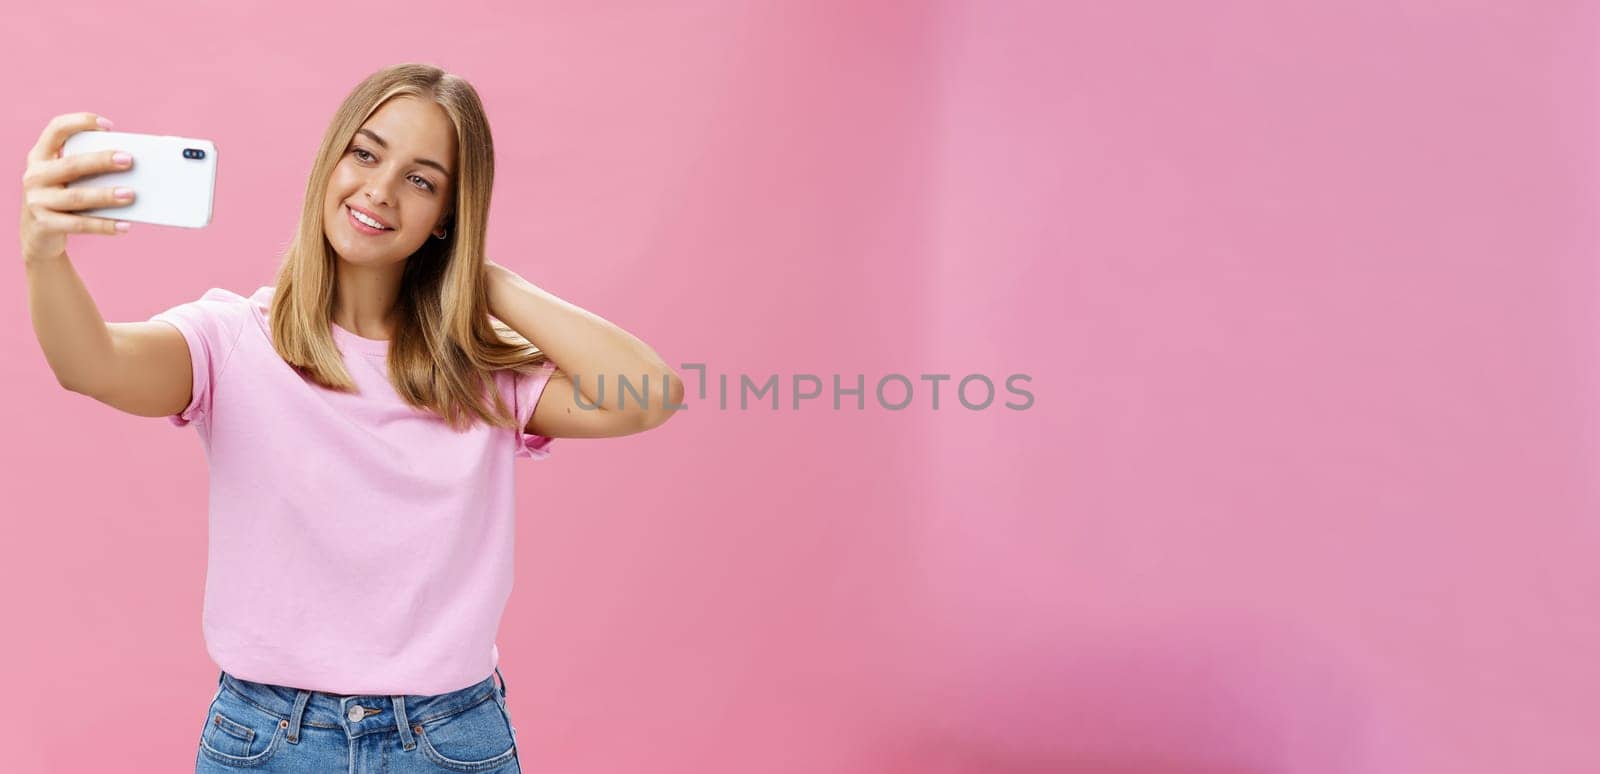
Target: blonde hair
{"x":445,"y":346}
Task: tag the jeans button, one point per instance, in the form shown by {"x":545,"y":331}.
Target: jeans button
{"x":356,"y":713}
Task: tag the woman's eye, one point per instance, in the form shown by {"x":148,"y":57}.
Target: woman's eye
{"x":364,"y":155}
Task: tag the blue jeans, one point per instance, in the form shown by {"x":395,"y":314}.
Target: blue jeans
{"x":273,"y":728}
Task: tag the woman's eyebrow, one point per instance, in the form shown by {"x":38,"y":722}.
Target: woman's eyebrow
{"x":385,"y":146}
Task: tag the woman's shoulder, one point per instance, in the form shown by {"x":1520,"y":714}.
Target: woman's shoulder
{"x":225,"y":308}
{"x":228,"y":297}
{"x":262,"y":297}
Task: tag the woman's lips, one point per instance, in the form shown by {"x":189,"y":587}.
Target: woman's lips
{"x":362,"y":227}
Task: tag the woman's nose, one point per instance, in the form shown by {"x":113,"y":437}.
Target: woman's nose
{"x":378,"y":189}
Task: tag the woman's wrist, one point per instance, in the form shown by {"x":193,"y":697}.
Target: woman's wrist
{"x":497,"y":277}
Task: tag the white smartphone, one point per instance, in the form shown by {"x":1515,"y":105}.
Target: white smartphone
{"x":173,"y":178}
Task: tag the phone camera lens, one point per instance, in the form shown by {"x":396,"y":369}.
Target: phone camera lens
{"x":193,"y":153}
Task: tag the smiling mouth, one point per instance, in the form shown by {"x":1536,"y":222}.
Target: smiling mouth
{"x":362,"y":227}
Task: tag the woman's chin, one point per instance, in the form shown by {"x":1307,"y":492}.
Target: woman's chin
{"x":360,"y":257}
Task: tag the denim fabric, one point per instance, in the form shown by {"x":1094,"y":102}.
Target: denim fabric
{"x":268,"y":728}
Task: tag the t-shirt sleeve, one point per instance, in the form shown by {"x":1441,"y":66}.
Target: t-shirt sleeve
{"x":211,"y":325}
{"x":528,"y":388}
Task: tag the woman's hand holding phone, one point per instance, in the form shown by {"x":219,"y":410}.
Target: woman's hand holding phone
{"x":47,"y":202}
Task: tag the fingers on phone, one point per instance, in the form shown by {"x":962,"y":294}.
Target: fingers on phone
{"x":82,"y":224}
{"x":103,"y":161}
{"x":85,"y":198}
{"x":56,"y":132}
{"x":67,"y":169}
{"x":63,"y":199}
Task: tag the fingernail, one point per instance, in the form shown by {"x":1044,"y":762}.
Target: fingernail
{"x":123,"y":193}
{"x":105,"y":123}
{"x":123,"y":225}
{"x":122,"y":158}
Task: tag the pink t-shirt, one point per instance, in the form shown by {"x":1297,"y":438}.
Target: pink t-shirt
{"x":357,"y":545}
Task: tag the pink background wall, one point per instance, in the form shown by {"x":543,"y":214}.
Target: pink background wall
{"x":1306,"y":294}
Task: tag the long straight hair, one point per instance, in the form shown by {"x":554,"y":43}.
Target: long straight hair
{"x":445,"y":346}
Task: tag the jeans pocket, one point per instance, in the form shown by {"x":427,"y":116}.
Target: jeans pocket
{"x":238,"y":734}
{"x":476,"y":739}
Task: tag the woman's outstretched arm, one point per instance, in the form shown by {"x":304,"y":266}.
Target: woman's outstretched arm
{"x":142,"y":368}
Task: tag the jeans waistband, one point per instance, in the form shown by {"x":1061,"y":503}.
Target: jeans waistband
{"x":359,"y":714}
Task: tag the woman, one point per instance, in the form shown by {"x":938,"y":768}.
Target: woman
{"x":360,"y":417}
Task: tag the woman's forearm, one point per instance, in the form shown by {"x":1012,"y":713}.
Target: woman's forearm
{"x":586,"y":346}
{"x":67,"y":323}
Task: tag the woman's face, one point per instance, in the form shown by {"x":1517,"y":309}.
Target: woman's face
{"x":399,"y":169}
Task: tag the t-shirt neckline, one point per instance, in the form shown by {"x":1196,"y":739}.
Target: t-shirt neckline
{"x":362,"y":343}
